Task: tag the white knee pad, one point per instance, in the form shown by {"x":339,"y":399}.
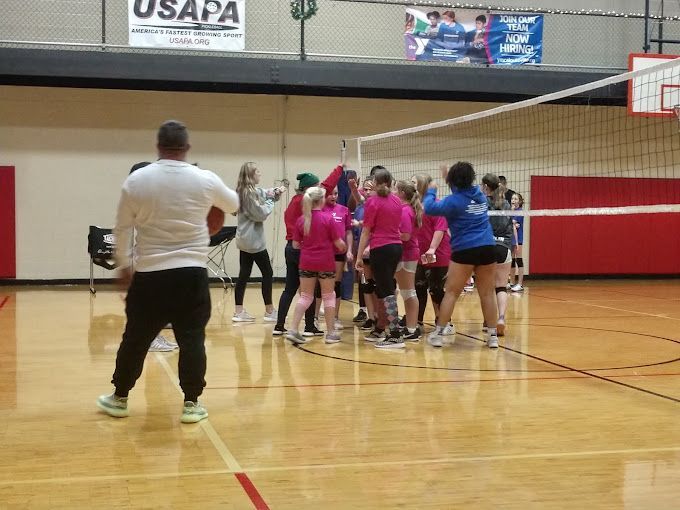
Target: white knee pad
{"x":328,"y":300}
{"x":305,"y":300}
{"x":407,"y":294}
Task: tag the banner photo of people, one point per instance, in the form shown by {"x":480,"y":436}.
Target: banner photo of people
{"x":187,"y":24}
{"x":473,"y":37}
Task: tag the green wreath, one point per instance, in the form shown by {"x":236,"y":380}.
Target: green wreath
{"x":296,"y":9}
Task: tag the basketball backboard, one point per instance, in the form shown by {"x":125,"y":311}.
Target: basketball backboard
{"x":655,"y":94}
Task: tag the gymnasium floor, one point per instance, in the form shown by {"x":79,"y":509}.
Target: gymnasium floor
{"x":579,"y":408}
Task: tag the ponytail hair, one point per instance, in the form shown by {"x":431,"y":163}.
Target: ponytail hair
{"x":382,"y":180}
{"x":313,"y":197}
{"x":413,"y":198}
{"x":497,"y":190}
{"x":245,"y":186}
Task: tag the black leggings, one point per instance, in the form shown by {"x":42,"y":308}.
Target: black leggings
{"x":432,"y":279}
{"x":384,"y":261}
{"x":262,"y":260}
{"x":292,"y":285}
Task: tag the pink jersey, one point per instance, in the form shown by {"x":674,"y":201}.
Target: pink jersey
{"x":432,"y":224}
{"x":383,"y":216}
{"x":317,"y":252}
{"x":408,"y":226}
{"x":342,"y":219}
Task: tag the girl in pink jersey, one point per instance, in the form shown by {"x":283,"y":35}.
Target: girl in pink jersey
{"x":411,"y":221}
{"x":342,"y":219}
{"x":382,"y":216}
{"x":434,"y":243}
{"x":316,"y":236}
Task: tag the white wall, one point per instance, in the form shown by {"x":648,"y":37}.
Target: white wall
{"x":72,"y":149}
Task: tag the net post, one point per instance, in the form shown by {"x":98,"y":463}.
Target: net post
{"x":676,"y":112}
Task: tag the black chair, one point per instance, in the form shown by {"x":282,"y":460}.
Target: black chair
{"x":216,"y":256}
{"x":101,"y":245}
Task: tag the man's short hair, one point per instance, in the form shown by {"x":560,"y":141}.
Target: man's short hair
{"x":434,"y":14}
{"x":173,"y":135}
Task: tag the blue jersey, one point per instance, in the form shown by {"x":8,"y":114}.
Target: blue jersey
{"x":465,"y":211}
{"x":359,"y":216}
{"x":519,"y":220}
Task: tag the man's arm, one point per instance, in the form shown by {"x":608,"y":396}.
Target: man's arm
{"x":223,"y":197}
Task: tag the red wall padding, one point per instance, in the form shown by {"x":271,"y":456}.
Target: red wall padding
{"x":8,"y":265}
{"x":625,"y":244}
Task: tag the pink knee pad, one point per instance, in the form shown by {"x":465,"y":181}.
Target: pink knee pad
{"x":305,"y":300}
{"x":328,"y":300}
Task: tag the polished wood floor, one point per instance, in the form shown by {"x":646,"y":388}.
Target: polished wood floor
{"x":579,"y":408}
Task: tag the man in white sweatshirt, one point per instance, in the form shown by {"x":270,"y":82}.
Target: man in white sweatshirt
{"x":166,"y":203}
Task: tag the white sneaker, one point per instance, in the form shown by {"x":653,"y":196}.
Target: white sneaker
{"x":160,"y":346}
{"x":338,"y":325}
{"x":167,"y":342}
{"x":449,"y":330}
{"x":492,"y":342}
{"x":435,"y":339}
{"x":271,"y":317}
{"x":243,"y":317}
{"x":517,"y":288}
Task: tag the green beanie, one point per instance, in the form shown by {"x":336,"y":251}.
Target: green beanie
{"x":307,"y":179}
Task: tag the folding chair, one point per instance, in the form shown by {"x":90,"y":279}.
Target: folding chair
{"x":216,"y":256}
{"x":101,"y":244}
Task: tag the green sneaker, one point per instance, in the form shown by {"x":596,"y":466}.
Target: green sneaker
{"x":193,"y":412}
{"x":113,"y":405}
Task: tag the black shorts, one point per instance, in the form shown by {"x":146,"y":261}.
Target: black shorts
{"x":341,"y":257}
{"x":322,"y":275}
{"x":502,"y":254}
{"x":479,"y":256}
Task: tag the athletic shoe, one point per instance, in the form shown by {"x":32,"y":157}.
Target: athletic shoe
{"x":279,"y":330}
{"x":435,"y":339}
{"x":159,"y":345}
{"x":469,"y":288}
{"x":295,"y":337}
{"x":361,"y":316}
{"x":449,"y":330}
{"x":500,"y":327}
{"x":168,"y":342}
{"x":312,"y":332}
{"x":492,"y":342}
{"x":391,"y":342}
{"x":242,"y":317}
{"x":412,"y":337}
{"x":375,"y":336}
{"x":338,"y":325}
{"x":271,"y":317}
{"x":332,"y":337}
{"x":368,"y":325}
{"x":193,"y":412}
{"x":113,"y":405}
{"x":517,"y":288}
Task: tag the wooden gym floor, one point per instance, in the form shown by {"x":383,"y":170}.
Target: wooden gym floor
{"x":579,"y":408}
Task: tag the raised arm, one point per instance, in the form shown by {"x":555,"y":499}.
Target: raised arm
{"x":431,"y":205}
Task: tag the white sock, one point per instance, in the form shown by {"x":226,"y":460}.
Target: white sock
{"x":492,"y":331}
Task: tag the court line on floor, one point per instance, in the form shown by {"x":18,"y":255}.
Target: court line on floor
{"x":443,"y":381}
{"x":353,"y":465}
{"x":2,"y":303}
{"x":221,"y":447}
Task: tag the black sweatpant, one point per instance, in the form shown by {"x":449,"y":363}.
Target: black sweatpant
{"x":292,"y":285}
{"x":432,"y":279}
{"x":262,"y":260}
{"x":178,"y":296}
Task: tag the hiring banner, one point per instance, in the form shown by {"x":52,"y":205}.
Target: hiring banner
{"x":473,"y":37}
{"x":187,"y":24}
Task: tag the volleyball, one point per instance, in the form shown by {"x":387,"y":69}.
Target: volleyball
{"x":215,"y":220}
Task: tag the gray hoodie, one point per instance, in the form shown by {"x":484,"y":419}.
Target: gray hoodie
{"x":254,"y":210}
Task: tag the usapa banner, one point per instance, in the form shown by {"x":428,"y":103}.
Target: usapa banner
{"x":187,"y":24}
{"x":470,"y":37}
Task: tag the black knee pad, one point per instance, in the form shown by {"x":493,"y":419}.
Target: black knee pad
{"x":501,"y":289}
{"x":514,"y":262}
{"x":437,"y":294}
{"x":369,"y":286}
{"x":520,"y":262}
{"x":338,"y":290}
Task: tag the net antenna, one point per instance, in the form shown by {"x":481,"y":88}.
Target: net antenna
{"x":676,"y":112}
{"x":343,"y":152}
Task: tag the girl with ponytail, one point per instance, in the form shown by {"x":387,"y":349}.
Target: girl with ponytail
{"x":411,"y":221}
{"x":382,"y":216}
{"x":316,"y":236}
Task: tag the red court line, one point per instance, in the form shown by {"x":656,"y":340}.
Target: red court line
{"x":252,"y":492}
{"x":2,"y":303}
{"x":337,"y":385}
